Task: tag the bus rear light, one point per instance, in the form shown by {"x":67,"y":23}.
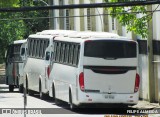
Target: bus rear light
{"x":81,"y":81}
{"x":48,"y":71}
{"x":137,"y":82}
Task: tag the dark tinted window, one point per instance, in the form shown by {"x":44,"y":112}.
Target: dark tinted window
{"x":13,"y":52}
{"x":110,"y":49}
{"x":142,"y":44}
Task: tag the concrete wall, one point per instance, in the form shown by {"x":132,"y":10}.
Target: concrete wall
{"x":156,"y":61}
{"x":143,"y":72}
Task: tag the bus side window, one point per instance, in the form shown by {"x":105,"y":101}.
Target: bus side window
{"x":22,"y":51}
{"x":66,"y":54}
{"x":52,"y":56}
{"x":75,"y":55}
{"x":47,"y":56}
{"x":62,"y":53}
{"x":71,"y":54}
{"x":58,"y":52}
{"x":55,"y":51}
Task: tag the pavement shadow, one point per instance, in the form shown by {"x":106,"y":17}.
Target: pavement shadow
{"x":2,"y":79}
{"x":5,"y":89}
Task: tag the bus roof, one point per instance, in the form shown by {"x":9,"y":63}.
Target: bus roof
{"x":41,"y":36}
{"x":88,"y":34}
{"x":56,"y":32}
{"x":19,"y":41}
{"x":83,"y":36}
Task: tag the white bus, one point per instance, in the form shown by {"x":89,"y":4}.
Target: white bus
{"x":14,"y":64}
{"x":93,"y":68}
{"x":39,"y":54}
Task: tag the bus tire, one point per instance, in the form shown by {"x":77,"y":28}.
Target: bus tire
{"x":41,"y":95}
{"x":71,"y":105}
{"x":17,"y":81}
{"x":26,"y":86}
{"x":11,"y":88}
{"x":53,"y":92}
{"x":21,"y":88}
{"x":30,"y":92}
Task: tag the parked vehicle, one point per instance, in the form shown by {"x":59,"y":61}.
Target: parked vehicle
{"x":39,"y":54}
{"x":14,"y":64}
{"x":93,"y":68}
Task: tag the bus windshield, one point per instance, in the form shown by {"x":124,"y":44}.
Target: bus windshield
{"x":110,"y":49}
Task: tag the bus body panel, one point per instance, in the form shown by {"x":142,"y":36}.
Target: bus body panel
{"x":64,"y":78}
{"x":90,"y":61}
{"x":93,"y":98}
{"x":109,"y":83}
{"x":35,"y":73}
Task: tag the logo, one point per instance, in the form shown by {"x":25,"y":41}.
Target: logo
{"x":6,"y":111}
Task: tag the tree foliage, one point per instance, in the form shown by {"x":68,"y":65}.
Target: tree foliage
{"x":135,"y":18}
{"x":18,"y":25}
{"x":10,"y":29}
{"x":9,"y":3}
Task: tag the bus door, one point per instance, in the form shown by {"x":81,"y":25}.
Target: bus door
{"x":48,"y":56}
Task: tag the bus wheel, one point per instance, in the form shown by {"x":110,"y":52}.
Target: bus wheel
{"x":11,"y":88}
{"x":53,"y":92}
{"x":30,"y":92}
{"x":21,"y":88}
{"x":41,"y":95}
{"x":26,"y":86}
{"x":72,"y":106}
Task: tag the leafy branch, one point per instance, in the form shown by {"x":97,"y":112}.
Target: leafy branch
{"x":130,"y":19}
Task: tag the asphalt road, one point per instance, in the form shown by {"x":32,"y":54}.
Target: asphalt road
{"x":15,"y":100}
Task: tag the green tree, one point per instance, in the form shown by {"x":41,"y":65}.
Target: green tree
{"x":18,"y":25}
{"x":10,"y":29}
{"x":9,"y":3}
{"x":35,"y":21}
{"x":127,"y":16}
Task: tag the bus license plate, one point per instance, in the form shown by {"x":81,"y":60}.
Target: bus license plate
{"x":109,"y":96}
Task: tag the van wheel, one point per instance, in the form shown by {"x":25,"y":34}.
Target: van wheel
{"x":21,"y":88}
{"x":11,"y":88}
{"x":41,"y":95}
{"x":72,"y":106}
